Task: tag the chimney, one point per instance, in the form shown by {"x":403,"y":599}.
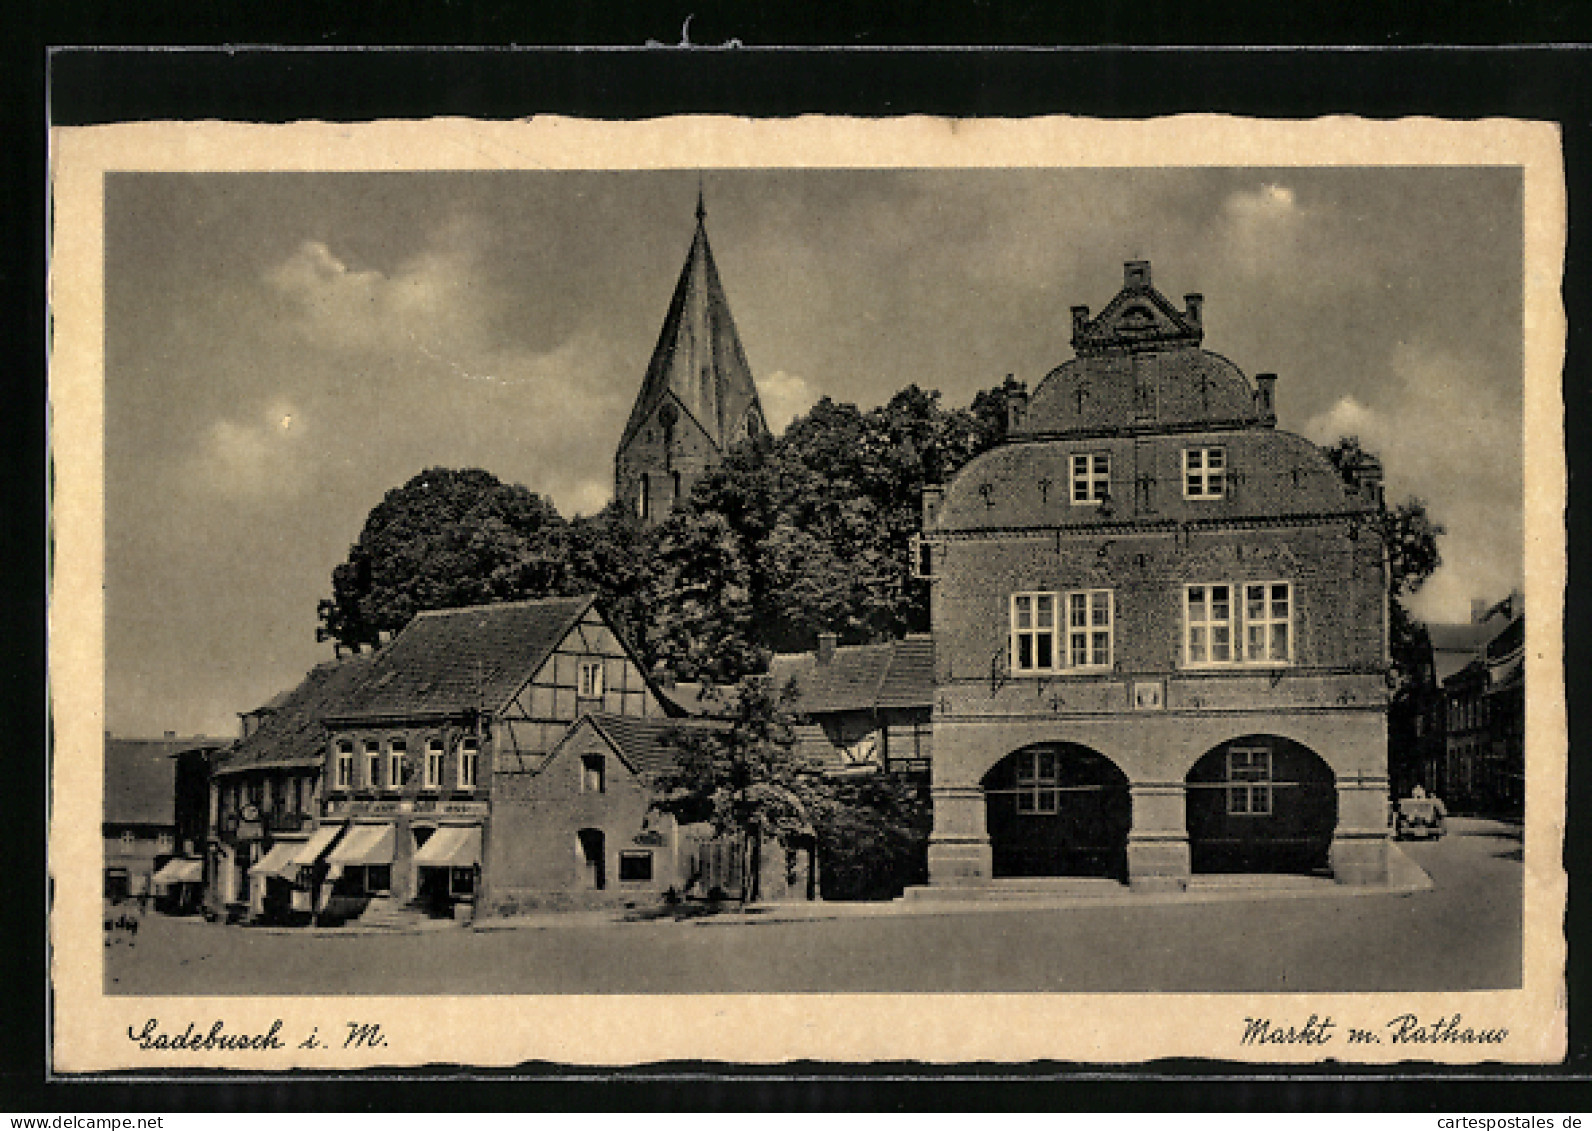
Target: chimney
{"x":933,"y":495}
{"x":1266,"y":396}
{"x":826,"y":647}
{"x":1368,"y":479}
{"x":1080,"y":322}
{"x":1016,"y":403}
{"x":1478,"y":610}
{"x":1136,"y":274}
{"x":1194,"y":309}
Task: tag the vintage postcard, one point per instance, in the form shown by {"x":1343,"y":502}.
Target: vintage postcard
{"x":840,"y":590}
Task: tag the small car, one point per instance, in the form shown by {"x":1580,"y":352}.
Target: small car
{"x":1419,"y":818}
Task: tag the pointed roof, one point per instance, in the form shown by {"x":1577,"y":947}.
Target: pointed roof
{"x":698,"y":359}
{"x":448,"y":661}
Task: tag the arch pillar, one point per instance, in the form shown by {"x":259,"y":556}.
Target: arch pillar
{"x":959,"y":848}
{"x":1158,"y":850}
{"x":1359,"y":843}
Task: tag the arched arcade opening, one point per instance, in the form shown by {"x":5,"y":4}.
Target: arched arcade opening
{"x":1261,"y":803}
{"x":1058,"y":809}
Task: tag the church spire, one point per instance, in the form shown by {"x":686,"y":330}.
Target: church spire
{"x":698,"y":396}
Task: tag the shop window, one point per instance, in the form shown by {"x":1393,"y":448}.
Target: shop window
{"x":1204,"y":473}
{"x":1249,"y":781}
{"x":461,"y":882}
{"x":1091,"y":478}
{"x":434,"y":756}
{"x":590,"y":679}
{"x":469,"y":762}
{"x":378,"y":879}
{"x":593,"y":773}
{"x":635,"y":867}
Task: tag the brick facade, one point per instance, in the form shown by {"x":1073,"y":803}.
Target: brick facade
{"x":1115,"y":426}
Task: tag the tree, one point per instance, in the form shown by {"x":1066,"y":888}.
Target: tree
{"x":872,"y":834}
{"x":700,"y":622}
{"x":743,"y":779}
{"x":443,"y":540}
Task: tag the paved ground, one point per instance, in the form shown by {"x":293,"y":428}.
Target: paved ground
{"x":1463,"y":934}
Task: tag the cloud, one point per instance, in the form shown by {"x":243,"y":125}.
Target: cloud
{"x":1261,"y":230}
{"x":258,"y":460}
{"x":785,"y":396}
{"x":430,"y":301}
{"x":1450,"y":436}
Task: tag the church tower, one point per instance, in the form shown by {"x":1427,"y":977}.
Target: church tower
{"x":698,"y":398}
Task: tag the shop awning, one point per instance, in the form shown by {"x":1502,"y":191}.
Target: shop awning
{"x":310,"y":853}
{"x":365,"y":844}
{"x":281,"y":861}
{"x":181,"y":872}
{"x":451,"y":846}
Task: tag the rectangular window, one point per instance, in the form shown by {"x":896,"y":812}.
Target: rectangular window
{"x":593,"y":773}
{"x":635,"y":867}
{"x":1268,"y":622}
{"x":1244,"y":623}
{"x":396,"y":749}
{"x":372,"y":763}
{"x":1089,"y":629}
{"x":434,"y":756}
{"x":469,"y":762}
{"x":1038,"y":788}
{"x":1249,"y":781}
{"x":922,"y":558}
{"x":129,"y":838}
{"x":1204,"y":473}
{"x":1091,"y":478}
{"x":1062,"y":631}
{"x":590,"y":679}
{"x":345,"y":765}
{"x":164,"y":842}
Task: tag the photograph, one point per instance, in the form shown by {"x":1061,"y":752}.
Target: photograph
{"x":955,"y":604}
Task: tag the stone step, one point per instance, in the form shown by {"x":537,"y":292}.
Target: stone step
{"x":1018,"y":889}
{"x":386,"y":912}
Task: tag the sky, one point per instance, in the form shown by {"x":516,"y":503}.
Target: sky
{"x":283,"y":349}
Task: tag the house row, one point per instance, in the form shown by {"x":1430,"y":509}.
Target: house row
{"x":153,"y":818}
{"x":1468,"y":711}
{"x":487,"y":760}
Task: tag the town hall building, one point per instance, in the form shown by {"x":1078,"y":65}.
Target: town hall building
{"x":698,"y":398}
{"x":1160,"y":627}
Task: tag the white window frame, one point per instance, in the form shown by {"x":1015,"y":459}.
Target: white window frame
{"x":1091,"y":622}
{"x":1042,"y":625}
{"x":469,"y":762}
{"x":1205,"y":631}
{"x":129,"y":838}
{"x":372,"y":761}
{"x":1249,"y":781}
{"x":1090,"y":478}
{"x":589,"y":679}
{"x":436,"y":759}
{"x":1038,"y":792}
{"x":397,"y":752}
{"x":165,"y":842}
{"x":345,"y":764}
{"x":1205,"y":477}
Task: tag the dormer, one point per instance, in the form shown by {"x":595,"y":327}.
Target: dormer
{"x":1139,"y":317}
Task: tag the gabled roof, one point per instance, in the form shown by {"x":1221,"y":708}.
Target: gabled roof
{"x":454,"y":661}
{"x":1454,"y":646}
{"x":698,"y":361}
{"x":859,"y":677}
{"x":289,"y":733}
{"x":638,"y":741}
{"x":1138,"y":314}
{"x":141,"y":778}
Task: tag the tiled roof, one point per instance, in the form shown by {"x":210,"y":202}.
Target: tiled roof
{"x":859,"y":677}
{"x":141,"y":778}
{"x":640,"y":741}
{"x":290,"y":731}
{"x":454,"y":660}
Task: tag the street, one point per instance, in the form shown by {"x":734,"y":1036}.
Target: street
{"x":1465,"y":934}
